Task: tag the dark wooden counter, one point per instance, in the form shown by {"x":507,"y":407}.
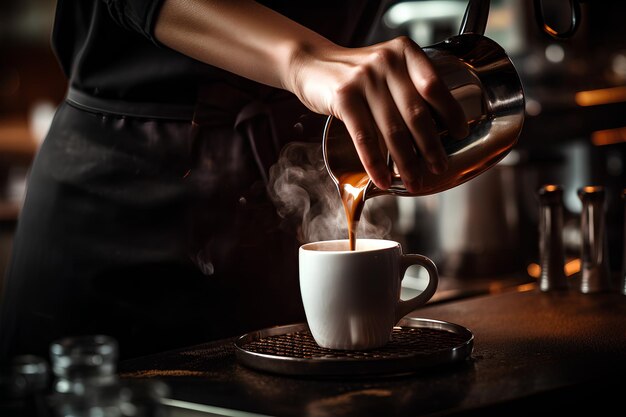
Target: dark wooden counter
{"x":533,"y":352}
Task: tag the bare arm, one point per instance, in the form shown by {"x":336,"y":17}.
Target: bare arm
{"x":377,"y":90}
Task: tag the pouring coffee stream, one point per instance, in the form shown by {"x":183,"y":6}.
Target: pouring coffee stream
{"x":481,"y":77}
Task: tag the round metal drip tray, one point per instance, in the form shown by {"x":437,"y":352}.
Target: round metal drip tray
{"x":415,"y":344}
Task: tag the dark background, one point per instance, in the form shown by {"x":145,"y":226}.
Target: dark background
{"x":562,"y":141}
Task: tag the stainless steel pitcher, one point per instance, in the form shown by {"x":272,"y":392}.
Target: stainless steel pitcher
{"x":482,"y":78}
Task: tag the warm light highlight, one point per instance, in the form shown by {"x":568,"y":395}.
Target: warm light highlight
{"x":533,"y":270}
{"x":570,"y":268}
{"x":551,"y":188}
{"x":591,"y":189}
{"x":600,"y":96}
{"x":609,"y":136}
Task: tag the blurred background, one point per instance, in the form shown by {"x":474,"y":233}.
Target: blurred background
{"x":574,"y":134}
{"x":31,"y":86}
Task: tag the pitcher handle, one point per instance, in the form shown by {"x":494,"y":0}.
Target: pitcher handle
{"x":475,"y":17}
{"x":565,"y":34}
{"x":404,"y":307}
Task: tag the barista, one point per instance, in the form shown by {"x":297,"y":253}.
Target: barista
{"x":146,"y":215}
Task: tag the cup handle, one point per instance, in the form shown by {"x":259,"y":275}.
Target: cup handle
{"x":404,"y":307}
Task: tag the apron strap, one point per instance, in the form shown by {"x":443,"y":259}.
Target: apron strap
{"x":265,"y":118}
{"x":256,"y":123}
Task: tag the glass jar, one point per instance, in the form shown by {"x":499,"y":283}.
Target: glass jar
{"x":86,"y":382}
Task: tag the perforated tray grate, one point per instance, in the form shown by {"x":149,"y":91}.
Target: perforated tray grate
{"x":415,"y":344}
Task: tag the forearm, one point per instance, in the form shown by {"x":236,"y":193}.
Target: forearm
{"x":240,"y":36}
{"x":386,"y":91}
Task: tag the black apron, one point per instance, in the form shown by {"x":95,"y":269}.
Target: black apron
{"x":156,"y":231}
{"x":152,"y":222}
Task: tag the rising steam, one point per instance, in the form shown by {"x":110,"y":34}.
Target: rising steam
{"x":305,"y":194}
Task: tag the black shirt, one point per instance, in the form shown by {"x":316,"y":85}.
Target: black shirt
{"x":107,"y":48}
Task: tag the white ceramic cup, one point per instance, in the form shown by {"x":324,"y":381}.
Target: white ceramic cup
{"x":352,"y":298}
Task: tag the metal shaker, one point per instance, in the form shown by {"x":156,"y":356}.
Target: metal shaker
{"x":622,"y":287}
{"x":551,"y":249}
{"x":595,"y":269}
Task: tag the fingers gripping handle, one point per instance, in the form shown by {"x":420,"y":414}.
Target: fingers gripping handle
{"x":404,"y":307}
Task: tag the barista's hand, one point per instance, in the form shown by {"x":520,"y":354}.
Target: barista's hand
{"x":387,"y":91}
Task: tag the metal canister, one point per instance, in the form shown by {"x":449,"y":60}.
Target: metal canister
{"x":595,"y":269}
{"x":622,"y":287}
{"x":551,"y":249}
